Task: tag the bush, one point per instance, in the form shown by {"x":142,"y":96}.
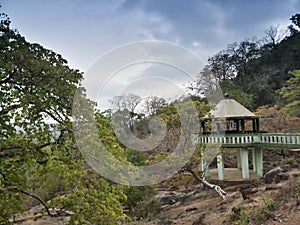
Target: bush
{"x":142,"y":202}
{"x":288,"y":161}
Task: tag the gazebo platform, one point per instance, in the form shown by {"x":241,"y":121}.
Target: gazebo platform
{"x":232,"y":175}
{"x":225,"y":126}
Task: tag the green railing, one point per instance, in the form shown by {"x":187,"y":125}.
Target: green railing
{"x":254,"y":139}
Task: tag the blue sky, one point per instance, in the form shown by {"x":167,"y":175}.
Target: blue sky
{"x":84,"y":30}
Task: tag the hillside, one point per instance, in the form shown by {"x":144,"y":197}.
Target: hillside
{"x":274,"y":199}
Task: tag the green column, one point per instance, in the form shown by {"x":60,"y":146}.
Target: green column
{"x":220,"y":163}
{"x":238,"y":157}
{"x":244,"y":163}
{"x":254,"y":159}
{"x":259,"y":161}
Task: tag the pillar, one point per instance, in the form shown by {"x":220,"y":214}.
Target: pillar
{"x":254,"y":159}
{"x":244,"y":163}
{"x":220,"y":163}
{"x":238,"y":157}
{"x":257,"y":125}
{"x":237,"y":124}
{"x":254,"y":125}
{"x":258,"y":161}
{"x":243,"y":125}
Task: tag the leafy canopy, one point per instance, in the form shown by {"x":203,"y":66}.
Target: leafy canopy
{"x":39,"y":159}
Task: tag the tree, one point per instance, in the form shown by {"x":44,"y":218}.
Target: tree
{"x":39,"y":159}
{"x":125,"y":106}
{"x":153,"y":103}
{"x":273,"y":36}
{"x":237,"y":93}
{"x":221,"y":66}
{"x":260,"y":66}
{"x":295,"y":26}
{"x":291,"y":94}
{"x":176,"y":131}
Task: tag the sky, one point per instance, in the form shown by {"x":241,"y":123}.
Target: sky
{"x":83,"y":31}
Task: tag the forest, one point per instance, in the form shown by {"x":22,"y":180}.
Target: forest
{"x":41,"y":164}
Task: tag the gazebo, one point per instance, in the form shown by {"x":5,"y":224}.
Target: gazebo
{"x":228,"y":119}
{"x":231,"y":125}
{"x":235,"y":115}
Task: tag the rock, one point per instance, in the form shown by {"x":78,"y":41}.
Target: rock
{"x":286,"y":168}
{"x":191,"y":209}
{"x":247,"y":190}
{"x":165,"y":222}
{"x":272,"y":187}
{"x":275,"y":175}
{"x":200,"y":220}
{"x":168,"y":200}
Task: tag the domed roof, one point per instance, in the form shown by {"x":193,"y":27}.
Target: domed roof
{"x":230,"y":108}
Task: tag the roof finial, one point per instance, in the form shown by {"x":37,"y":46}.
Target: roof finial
{"x":226,"y":95}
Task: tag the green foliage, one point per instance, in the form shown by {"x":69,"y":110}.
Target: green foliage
{"x":297,"y":190}
{"x":137,"y":158}
{"x":295,"y":26}
{"x":243,"y":219}
{"x":288,"y":161}
{"x":254,"y":68}
{"x":236,"y":92}
{"x":291,"y":94}
{"x":255,"y":215}
{"x":260,"y":214}
{"x":142,"y":202}
{"x":38,"y":153}
{"x":93,"y":200}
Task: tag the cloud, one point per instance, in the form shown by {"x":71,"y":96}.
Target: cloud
{"x":83,"y":31}
{"x":143,"y":68}
{"x":214,"y":24}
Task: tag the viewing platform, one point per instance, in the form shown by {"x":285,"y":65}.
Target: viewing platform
{"x":276,"y":140}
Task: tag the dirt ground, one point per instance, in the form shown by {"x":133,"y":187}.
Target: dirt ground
{"x":195,"y":206}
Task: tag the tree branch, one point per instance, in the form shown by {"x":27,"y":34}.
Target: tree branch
{"x":13,"y":150}
{"x":5,"y":150}
{"x":52,"y":116}
{"x":217,"y":188}
{"x":8,"y":109}
{"x":16,"y":189}
{"x":8,"y":78}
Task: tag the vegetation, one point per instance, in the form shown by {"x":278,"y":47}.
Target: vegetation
{"x":39,"y":160}
{"x":291,"y":94}
{"x":256,"y":68}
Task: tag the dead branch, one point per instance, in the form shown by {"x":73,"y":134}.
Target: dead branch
{"x":217,"y":188}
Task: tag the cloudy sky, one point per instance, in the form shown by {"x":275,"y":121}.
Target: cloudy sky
{"x":84,"y":30}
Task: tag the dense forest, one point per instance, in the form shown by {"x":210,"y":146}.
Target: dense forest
{"x":40,"y":162}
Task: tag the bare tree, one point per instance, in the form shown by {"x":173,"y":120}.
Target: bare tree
{"x":274,"y":35}
{"x":152,"y":103}
{"x":126,"y":106}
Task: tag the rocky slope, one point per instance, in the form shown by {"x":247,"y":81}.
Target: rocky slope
{"x":269,"y":201}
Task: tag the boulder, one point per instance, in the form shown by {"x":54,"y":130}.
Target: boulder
{"x":276,"y":175}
